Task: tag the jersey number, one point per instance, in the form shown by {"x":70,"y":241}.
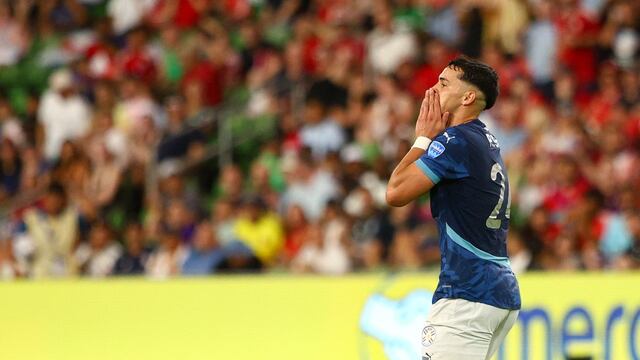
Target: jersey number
{"x":493,"y":222}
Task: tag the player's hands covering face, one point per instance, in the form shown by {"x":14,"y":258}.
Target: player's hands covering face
{"x":431,"y":121}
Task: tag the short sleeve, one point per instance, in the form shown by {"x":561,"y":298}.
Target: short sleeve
{"x":445,"y":158}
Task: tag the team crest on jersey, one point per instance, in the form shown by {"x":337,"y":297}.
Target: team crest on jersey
{"x":428,"y":336}
{"x":436,"y":149}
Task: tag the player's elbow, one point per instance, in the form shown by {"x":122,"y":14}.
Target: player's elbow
{"x":394,"y":197}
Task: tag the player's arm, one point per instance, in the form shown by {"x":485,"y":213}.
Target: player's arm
{"x":407,"y":181}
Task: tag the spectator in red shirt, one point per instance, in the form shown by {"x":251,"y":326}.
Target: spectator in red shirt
{"x":436,"y":57}
{"x":136,"y":61}
{"x":577,"y":36}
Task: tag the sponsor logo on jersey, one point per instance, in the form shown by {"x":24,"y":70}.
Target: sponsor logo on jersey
{"x":449,"y":138}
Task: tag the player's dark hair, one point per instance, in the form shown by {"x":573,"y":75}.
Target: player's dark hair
{"x":479,"y":74}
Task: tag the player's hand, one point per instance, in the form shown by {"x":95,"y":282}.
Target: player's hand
{"x":431,"y":121}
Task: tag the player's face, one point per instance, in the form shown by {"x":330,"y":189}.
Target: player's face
{"x":451,"y":89}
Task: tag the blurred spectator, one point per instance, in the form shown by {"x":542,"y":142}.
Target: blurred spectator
{"x":391,"y":113}
{"x":296,"y":227}
{"x":436,"y":56}
{"x":53,"y":231}
{"x":223,"y":220}
{"x":371,"y":233}
{"x":320,"y":133}
{"x":97,"y":257}
{"x":135,"y":60}
{"x":205,"y":255}
{"x":64,"y":14}
{"x":10,"y":126}
{"x":541,"y":45}
{"x":10,"y":169}
{"x":262,"y":184}
{"x":389,"y":44}
{"x":171,"y":114}
{"x":13,"y":35}
{"x":405,"y":250}
{"x":179,"y":137}
{"x":136,"y":254}
{"x":9,"y":267}
{"x":443,"y":22}
{"x":101,"y":57}
{"x":104,"y":140}
{"x":321,"y":255}
{"x":205,"y":79}
{"x":619,"y":33}
{"x":34,"y":172}
{"x":259,"y":230}
{"x":631,"y":259}
{"x":173,"y":188}
{"x":182,"y":13}
{"x":105,"y":178}
{"x":168,"y":258}
{"x":230,"y":184}
{"x":128,"y":14}
{"x":511,"y":136}
{"x":519,"y":256}
{"x":63,"y":114}
{"x":135,"y":108}
{"x":506,"y":23}
{"x":324,"y":248}
{"x":141,"y":142}
{"x":309,"y":187}
{"x":577,"y":35}
{"x":180,"y":219}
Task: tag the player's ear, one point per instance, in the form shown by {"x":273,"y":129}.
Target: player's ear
{"x":469,"y":97}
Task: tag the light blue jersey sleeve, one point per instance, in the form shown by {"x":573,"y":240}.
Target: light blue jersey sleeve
{"x":445,"y":158}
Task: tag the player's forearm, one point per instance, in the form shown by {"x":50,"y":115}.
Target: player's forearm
{"x":397,"y":194}
{"x":411,"y":157}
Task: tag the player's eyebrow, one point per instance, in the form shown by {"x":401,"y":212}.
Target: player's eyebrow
{"x":441,"y":78}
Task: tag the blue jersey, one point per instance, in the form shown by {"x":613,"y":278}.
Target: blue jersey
{"x":470,"y":203}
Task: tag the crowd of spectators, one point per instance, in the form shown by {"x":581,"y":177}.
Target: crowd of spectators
{"x":101,"y":97}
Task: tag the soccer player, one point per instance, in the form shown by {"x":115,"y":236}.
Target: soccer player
{"x":457,"y":160}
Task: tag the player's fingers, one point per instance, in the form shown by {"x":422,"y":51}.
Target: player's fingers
{"x":431,"y":101}
{"x":425,"y":100}
{"x":423,"y":108}
{"x":436,"y":105}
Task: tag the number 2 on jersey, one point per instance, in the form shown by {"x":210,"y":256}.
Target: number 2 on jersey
{"x":493,"y":222}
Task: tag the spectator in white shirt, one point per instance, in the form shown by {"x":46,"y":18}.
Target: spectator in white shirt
{"x":325,"y":249}
{"x":389,"y":44}
{"x":167,"y":260}
{"x":98,"y":257}
{"x":63,"y":114}
{"x":309,"y":187}
{"x":320,"y":132}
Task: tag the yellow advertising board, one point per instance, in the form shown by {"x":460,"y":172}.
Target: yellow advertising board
{"x":371,"y":316}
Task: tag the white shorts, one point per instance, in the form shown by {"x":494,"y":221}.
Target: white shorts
{"x":458,"y":329}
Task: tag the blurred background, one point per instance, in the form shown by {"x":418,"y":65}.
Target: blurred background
{"x":197,"y":136}
{"x":171,"y":138}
